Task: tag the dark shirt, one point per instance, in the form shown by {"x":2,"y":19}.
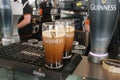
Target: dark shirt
{"x":46,"y":7}
{"x":26,"y":30}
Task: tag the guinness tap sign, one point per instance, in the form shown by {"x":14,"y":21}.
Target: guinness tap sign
{"x":102,"y":5}
{"x":103,"y":17}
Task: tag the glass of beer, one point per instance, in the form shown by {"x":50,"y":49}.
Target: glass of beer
{"x":69,"y":30}
{"x":54,"y":42}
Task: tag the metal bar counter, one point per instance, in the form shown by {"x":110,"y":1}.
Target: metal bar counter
{"x":84,"y":69}
{"x":87,"y":69}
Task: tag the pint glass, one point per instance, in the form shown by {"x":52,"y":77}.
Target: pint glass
{"x":69,"y":30}
{"x":103,"y":17}
{"x":54,"y":42}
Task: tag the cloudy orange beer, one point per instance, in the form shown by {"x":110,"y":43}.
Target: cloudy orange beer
{"x":54,"y":42}
{"x":68,"y":41}
{"x":69,"y":29}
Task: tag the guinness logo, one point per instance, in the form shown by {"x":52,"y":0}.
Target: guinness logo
{"x":103,"y":1}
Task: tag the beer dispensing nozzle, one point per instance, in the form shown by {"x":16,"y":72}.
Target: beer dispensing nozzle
{"x":9,"y":19}
{"x":6,"y":21}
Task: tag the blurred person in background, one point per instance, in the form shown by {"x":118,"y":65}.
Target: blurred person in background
{"x":45,"y":11}
{"x":87,"y":29}
{"x":46,"y":6}
{"x":87,"y":25}
{"x":24,"y":24}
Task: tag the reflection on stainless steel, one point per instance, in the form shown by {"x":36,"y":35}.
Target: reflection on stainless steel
{"x":16,"y":15}
{"x":88,"y":69}
{"x":30,"y":53}
{"x":41,"y":44}
{"x":33,"y":41}
{"x":54,"y":12}
{"x":81,"y":47}
{"x":77,"y":52}
{"x":72,"y":12}
{"x":34,"y":48}
{"x":75,"y":43}
{"x":27,"y":43}
{"x":35,"y":5}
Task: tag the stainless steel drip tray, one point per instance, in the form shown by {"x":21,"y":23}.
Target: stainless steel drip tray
{"x":30,"y":59}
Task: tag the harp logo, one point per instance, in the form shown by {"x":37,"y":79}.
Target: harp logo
{"x":103,"y":1}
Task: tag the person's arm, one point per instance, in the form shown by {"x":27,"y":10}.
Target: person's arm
{"x":87,"y":25}
{"x":25,"y":21}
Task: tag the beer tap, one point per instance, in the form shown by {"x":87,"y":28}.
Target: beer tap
{"x":102,"y":27}
{"x":9,"y":18}
{"x":6,"y":21}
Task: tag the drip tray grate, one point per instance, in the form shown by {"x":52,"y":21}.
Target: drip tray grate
{"x":30,"y":59}
{"x":23,"y":53}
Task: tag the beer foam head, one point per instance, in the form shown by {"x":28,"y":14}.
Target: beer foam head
{"x":69,"y":28}
{"x":51,"y":34}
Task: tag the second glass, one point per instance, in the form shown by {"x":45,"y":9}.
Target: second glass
{"x":69,"y":30}
{"x":54,"y":42}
